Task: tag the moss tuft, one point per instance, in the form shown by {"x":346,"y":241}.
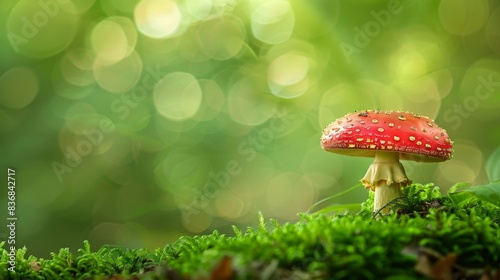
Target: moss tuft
{"x":425,"y":235}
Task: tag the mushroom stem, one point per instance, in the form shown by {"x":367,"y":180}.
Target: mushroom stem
{"x":385,"y":176}
{"x":384,"y":194}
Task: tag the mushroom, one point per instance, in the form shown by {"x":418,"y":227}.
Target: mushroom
{"x":388,"y":136}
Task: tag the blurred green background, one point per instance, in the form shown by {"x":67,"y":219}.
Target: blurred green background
{"x":131,"y":123}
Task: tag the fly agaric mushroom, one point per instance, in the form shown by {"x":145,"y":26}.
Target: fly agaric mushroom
{"x":388,"y":136}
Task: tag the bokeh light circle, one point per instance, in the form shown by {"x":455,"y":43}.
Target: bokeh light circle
{"x":157,"y":18}
{"x":121,"y":76}
{"x":409,"y":61}
{"x":85,"y":133}
{"x":121,"y":152}
{"x":82,"y":58}
{"x":493,"y":32}
{"x":272,"y":21}
{"x":18,"y":87}
{"x":290,"y":193}
{"x":253,"y":184}
{"x":69,"y":90}
{"x":35,"y":29}
{"x":493,"y":165}
{"x":228,"y":205}
{"x":184,"y":177}
{"x":198,"y":222}
{"x":342,"y":99}
{"x":80,"y":117}
{"x":247,"y":104}
{"x":385,"y":97}
{"x":113,"y":39}
{"x":138,"y":118}
{"x":221,"y":38}
{"x":81,"y":6}
{"x":292,"y":68}
{"x":285,"y":72}
{"x":421,"y":96}
{"x":288,"y":69}
{"x":212,"y":102}
{"x":199,"y":9}
{"x":118,"y":7}
{"x":479,"y":93}
{"x":452,"y":172}
{"x":462,"y":17}
{"x":177,"y":96}
{"x":465,"y":167}
{"x":73,"y":73}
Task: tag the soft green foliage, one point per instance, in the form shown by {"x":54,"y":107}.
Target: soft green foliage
{"x":336,"y":207}
{"x":489,"y":192}
{"x":105,"y":261}
{"x":319,"y":246}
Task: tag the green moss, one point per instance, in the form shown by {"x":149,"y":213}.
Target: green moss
{"x":439,"y":233}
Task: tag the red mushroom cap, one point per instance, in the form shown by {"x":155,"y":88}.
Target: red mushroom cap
{"x":413,"y":136}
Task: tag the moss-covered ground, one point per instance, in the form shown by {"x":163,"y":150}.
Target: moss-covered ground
{"x":427,"y":235}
